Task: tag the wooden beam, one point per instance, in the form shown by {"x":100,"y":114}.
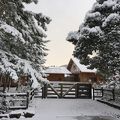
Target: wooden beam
{"x":69,"y":90}
{"x":49,"y":85}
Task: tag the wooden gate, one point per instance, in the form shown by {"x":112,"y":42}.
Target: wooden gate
{"x":84,"y":91}
{"x":66,"y":90}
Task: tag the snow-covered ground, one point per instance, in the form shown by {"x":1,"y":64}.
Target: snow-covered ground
{"x":71,"y":109}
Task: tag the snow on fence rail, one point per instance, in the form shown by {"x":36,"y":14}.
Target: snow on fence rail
{"x":108,"y":94}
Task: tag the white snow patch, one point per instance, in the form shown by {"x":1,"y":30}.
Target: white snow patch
{"x":113,"y":18}
{"x":9,"y":29}
{"x":96,"y":6}
{"x":93,"y":15}
{"x":73,"y":35}
{"x":69,"y":109}
{"x":39,"y":29}
{"x":57,"y":70}
{"x":7,"y":67}
{"x":109,"y":3}
{"x":95,"y":30}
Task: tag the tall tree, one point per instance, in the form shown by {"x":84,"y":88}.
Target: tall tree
{"x":99,"y":38}
{"x":22,"y":44}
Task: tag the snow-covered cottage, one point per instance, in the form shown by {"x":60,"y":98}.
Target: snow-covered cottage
{"x":81,"y":73}
{"x":57,"y":73}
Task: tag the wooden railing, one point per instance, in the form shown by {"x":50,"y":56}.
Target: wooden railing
{"x":66,"y":90}
{"x":12,"y":101}
{"x":97,"y":93}
{"x":108,"y":94}
{"x":59,"y":90}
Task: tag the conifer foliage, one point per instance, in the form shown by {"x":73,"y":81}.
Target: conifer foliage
{"x":99,"y":36}
{"x":22,"y":44}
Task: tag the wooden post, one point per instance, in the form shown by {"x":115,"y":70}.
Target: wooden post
{"x":93,"y":94}
{"x":61,"y":88}
{"x":44,"y":91}
{"x":4,"y":83}
{"x":102,"y":91}
{"x":10,"y":80}
{"x":113,"y":93}
{"x":27,"y":100}
{"x":1,"y":82}
{"x":90,"y":91}
{"x":76,"y":90}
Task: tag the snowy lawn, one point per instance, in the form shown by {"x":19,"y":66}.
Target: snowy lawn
{"x":72,"y":109}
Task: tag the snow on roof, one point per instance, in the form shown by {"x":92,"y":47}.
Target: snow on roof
{"x":59,"y":70}
{"x":82,"y":67}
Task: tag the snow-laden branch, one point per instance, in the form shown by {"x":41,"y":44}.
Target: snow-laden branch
{"x":16,"y":67}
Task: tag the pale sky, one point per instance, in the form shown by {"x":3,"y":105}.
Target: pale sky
{"x":66,"y":15}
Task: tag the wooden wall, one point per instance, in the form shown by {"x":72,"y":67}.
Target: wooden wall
{"x":90,"y":77}
{"x":55,"y":77}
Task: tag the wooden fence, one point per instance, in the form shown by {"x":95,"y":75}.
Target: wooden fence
{"x":12,"y":101}
{"x":97,"y":93}
{"x":108,"y":94}
{"x":66,"y":90}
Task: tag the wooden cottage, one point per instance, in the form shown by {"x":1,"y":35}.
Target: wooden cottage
{"x":81,"y":73}
{"x":57,"y":73}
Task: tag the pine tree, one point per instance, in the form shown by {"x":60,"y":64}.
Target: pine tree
{"x":99,"y":36}
{"x":22,"y":44}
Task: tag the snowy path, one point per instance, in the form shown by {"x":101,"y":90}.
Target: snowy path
{"x":72,"y":109}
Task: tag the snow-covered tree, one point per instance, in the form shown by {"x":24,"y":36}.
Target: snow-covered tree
{"x":73,"y":37}
{"x":22,"y":44}
{"x":99,"y":38}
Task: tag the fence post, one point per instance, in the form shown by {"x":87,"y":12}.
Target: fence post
{"x":27,"y":100}
{"x":61,"y":85}
{"x":76,"y":90}
{"x":44,"y":91}
{"x":90,"y":91}
{"x":93,"y":94}
{"x":102,"y":91}
{"x":113,"y":93}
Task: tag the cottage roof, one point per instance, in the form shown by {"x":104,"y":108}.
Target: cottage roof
{"x":82,"y":67}
{"x":57,"y":70}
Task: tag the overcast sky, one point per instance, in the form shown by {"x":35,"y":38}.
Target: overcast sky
{"x":66,"y":15}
